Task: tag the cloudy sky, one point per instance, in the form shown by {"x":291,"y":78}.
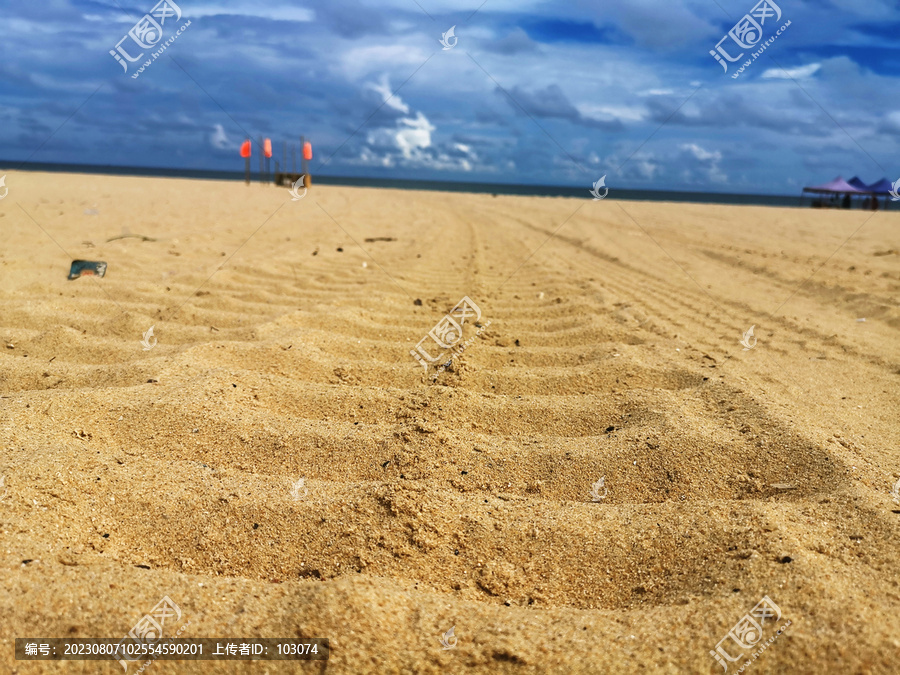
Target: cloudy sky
{"x":554,"y":92}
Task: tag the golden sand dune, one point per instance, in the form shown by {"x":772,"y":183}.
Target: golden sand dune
{"x":609,"y":347}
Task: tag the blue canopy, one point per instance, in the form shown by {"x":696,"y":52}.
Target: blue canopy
{"x":882,"y":187}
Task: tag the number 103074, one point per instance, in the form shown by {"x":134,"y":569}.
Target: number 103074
{"x":298,"y":648}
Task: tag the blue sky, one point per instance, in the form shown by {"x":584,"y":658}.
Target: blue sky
{"x":545,"y":92}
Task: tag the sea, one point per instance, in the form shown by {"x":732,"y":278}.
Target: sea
{"x":581,"y":192}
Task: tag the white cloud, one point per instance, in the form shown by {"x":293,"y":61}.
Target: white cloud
{"x":410,"y":144}
{"x":791,"y":73}
{"x":218,"y":139}
{"x":700,"y":153}
{"x":252,"y":9}
{"x":604,"y":113}
{"x":646,"y":167}
{"x":379,"y":58}
{"x":893,"y":119}
{"x":708,"y":164}
{"x":409,"y":137}
{"x":416,"y":136}
{"x":383,"y":88}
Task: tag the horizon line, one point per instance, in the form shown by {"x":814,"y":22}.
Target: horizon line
{"x":520,"y":189}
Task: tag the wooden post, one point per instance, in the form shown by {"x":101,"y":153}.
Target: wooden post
{"x":245,"y":153}
{"x":307,"y":156}
{"x":303,"y":165}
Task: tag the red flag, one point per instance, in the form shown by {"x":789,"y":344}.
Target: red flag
{"x":245,"y":148}
{"x":267,"y":147}
{"x":307,"y":151}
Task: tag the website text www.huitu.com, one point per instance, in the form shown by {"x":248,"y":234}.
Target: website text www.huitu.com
{"x":162,"y":48}
{"x":755,"y":655}
{"x":763,"y":47}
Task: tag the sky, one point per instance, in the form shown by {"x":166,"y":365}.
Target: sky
{"x":556,"y":92}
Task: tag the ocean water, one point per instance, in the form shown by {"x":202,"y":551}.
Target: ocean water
{"x":442,"y":186}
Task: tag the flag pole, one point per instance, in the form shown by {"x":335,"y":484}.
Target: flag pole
{"x":245,"y":153}
{"x":307,"y":155}
{"x":303,"y":157}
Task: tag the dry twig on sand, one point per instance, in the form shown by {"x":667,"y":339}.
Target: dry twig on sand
{"x":125,"y":236}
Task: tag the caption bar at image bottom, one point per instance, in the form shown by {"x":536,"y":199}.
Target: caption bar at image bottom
{"x":173,"y":649}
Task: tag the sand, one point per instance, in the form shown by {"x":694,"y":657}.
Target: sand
{"x":461,"y":498}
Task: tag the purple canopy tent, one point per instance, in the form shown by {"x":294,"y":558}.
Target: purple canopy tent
{"x":837,"y":186}
{"x":853,"y":187}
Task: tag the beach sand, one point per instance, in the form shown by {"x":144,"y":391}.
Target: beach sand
{"x":464,"y":501}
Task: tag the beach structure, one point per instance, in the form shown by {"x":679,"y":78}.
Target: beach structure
{"x":281,"y":176}
{"x":840,"y":193}
{"x":285,"y":177}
